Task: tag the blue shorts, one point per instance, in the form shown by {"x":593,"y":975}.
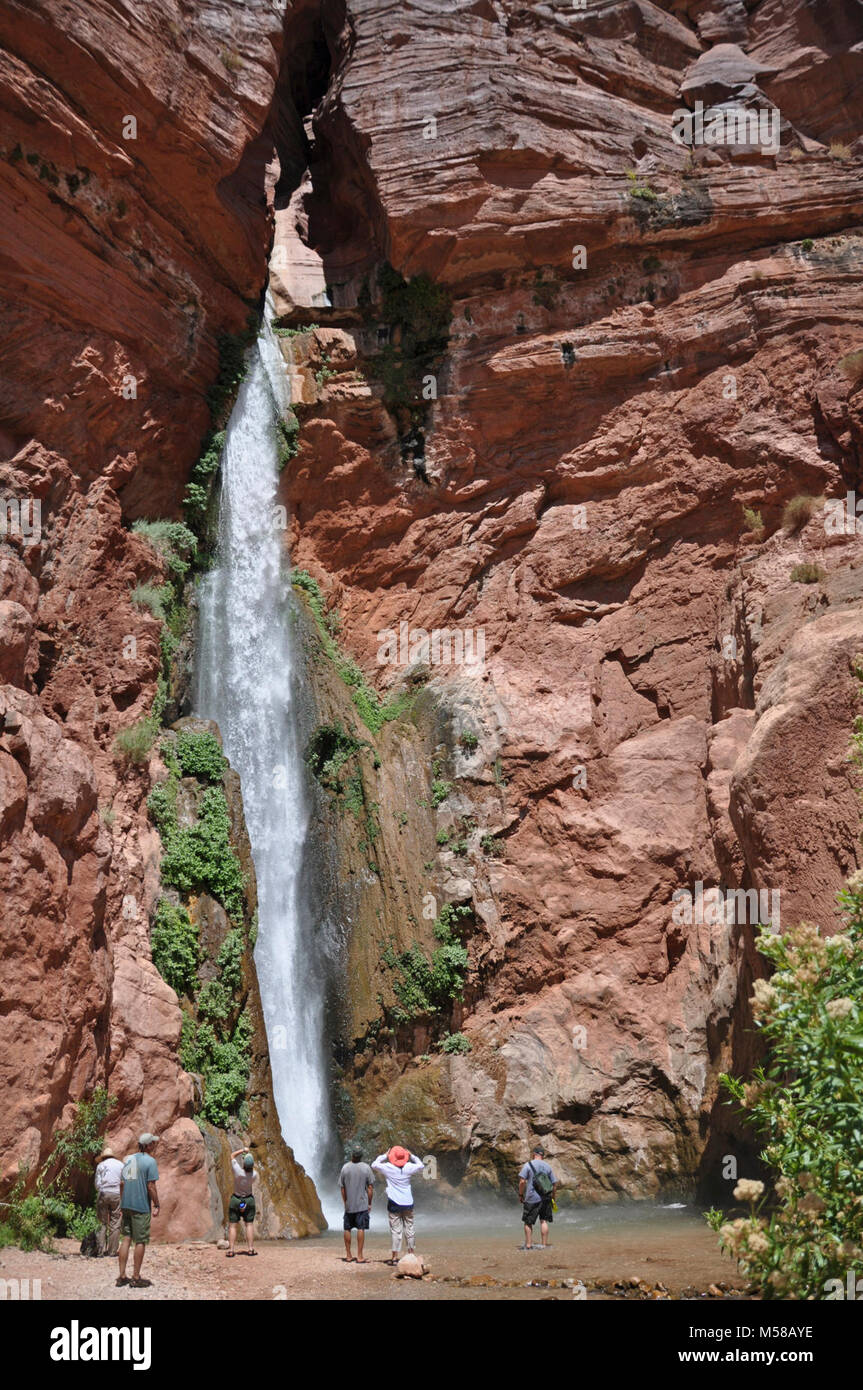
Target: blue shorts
{"x":356,"y":1221}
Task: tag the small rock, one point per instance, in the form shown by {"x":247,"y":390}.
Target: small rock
{"x":411,"y":1266}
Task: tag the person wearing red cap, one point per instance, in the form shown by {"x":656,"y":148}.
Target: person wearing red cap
{"x":398,"y":1167}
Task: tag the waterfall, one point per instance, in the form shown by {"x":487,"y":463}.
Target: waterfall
{"x":247,"y":682}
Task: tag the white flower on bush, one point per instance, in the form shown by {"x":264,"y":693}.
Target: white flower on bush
{"x":840,"y":1008}
{"x":748,"y":1190}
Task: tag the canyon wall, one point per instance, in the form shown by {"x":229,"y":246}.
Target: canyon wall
{"x":641,"y":341}
{"x":134,"y":238}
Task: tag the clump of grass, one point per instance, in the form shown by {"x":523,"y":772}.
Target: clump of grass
{"x":839,"y":150}
{"x":799,"y":510}
{"x":806,"y":244}
{"x":851,"y":366}
{"x":231,"y":59}
{"x":133,"y":745}
{"x":806,"y":573}
{"x":752,"y":520}
{"x":151,"y":597}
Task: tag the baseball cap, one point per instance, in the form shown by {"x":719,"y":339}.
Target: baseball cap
{"x":248,"y":1163}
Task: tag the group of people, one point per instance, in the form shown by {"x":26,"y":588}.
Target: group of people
{"x":127,"y":1197}
{"x":537,"y":1187}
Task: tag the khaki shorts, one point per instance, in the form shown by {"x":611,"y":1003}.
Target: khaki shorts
{"x":136,"y":1225}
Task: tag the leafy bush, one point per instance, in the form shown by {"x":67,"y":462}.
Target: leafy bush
{"x":806,"y":573}
{"x":230,"y":960}
{"x":224,"y":1065}
{"x":429,"y":986}
{"x":199,"y":856}
{"x":492,"y":846}
{"x":440,"y":790}
{"x":456,"y":1043}
{"x":806,"y":244}
{"x":214,"y":1002}
{"x":200,"y":755}
{"x":330,"y":748}
{"x":33,"y":1219}
{"x":174,"y":541}
{"x":175,"y":947}
{"x":288,"y":439}
{"x":752,"y":520}
{"x":469,"y":741}
{"x":806,"y":1103}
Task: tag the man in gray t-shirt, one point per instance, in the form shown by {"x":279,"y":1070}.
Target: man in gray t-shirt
{"x":537,"y":1185}
{"x":357,"y":1182}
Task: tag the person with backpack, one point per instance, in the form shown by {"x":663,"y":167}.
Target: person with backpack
{"x":537,"y":1185}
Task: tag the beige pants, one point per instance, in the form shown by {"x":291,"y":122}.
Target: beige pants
{"x":108,"y":1211}
{"x":401,"y":1223}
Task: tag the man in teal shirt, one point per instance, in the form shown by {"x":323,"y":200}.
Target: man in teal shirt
{"x":138,"y":1196}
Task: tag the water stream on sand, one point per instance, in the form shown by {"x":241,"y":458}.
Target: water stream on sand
{"x":247,"y":682}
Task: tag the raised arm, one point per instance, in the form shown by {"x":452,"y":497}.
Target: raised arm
{"x":379,"y":1162}
{"x":415,"y":1165}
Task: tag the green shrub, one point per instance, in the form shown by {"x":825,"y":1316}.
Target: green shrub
{"x":492,"y":846}
{"x":638,"y":189}
{"x":440,"y":790}
{"x":806,"y":573}
{"x":469,"y":741}
{"x":199,"y":856}
{"x":807,"y":243}
{"x":428,"y":986}
{"x":174,"y":541}
{"x":214,"y":1002}
{"x":230,"y":960}
{"x":752,"y":520}
{"x":200,"y":755}
{"x":33,"y":1218}
{"x":456,"y":1043}
{"x":806,"y":1104}
{"x":175,"y":947}
{"x":288,"y":439}
{"x":224,"y":1065}
{"x":330,"y":748}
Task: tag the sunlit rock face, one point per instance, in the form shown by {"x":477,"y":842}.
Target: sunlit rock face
{"x":645,"y":339}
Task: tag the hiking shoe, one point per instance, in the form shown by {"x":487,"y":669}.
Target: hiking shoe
{"x":140,"y":1283}
{"x":119,"y":1283}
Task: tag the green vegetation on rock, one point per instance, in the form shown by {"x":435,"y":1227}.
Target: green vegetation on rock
{"x":175,"y":947}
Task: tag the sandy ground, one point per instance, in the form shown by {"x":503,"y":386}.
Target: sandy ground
{"x":678,"y":1255}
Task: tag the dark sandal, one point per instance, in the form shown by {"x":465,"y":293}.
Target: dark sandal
{"x":251,"y":1252}
{"x":140,"y":1283}
{"x":120,"y":1283}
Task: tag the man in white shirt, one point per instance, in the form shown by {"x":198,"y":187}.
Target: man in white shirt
{"x":398,"y":1167}
{"x":108,"y":1171}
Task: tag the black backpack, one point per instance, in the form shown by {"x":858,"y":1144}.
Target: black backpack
{"x":542,"y":1183}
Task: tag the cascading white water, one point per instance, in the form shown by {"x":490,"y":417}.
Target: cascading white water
{"x":245,"y":681}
